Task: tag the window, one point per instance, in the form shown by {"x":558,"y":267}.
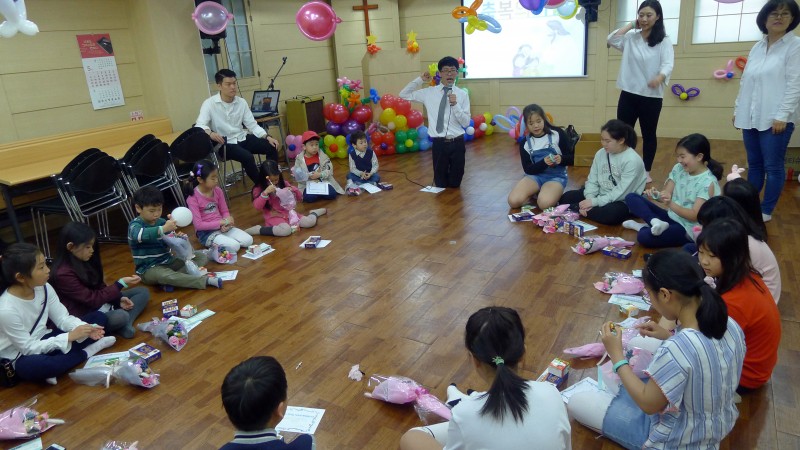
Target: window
{"x":716,"y":22}
{"x":236,"y":50}
{"x":628,"y":11}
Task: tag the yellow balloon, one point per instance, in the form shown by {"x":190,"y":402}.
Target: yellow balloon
{"x":488,"y":117}
{"x":342,"y":153}
{"x":341,"y":141}
{"x":328,"y":140}
{"x":400,"y":122}
{"x":409,"y":142}
{"x":387,"y":116}
{"x":684,"y":96}
{"x":489,"y":129}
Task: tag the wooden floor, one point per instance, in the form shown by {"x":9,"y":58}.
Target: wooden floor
{"x":392,"y":293}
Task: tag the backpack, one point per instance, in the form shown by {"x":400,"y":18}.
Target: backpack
{"x":573,"y":136}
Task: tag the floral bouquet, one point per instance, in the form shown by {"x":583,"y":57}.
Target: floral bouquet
{"x":591,"y":244}
{"x":170,"y":330}
{"x":221,"y":254}
{"x":119,"y":445}
{"x":619,"y":283}
{"x":552,"y":218}
{"x":137,"y":373}
{"x":402,"y":390}
{"x":22,"y":422}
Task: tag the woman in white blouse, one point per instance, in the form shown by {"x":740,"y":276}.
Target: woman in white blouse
{"x":768,"y":104}
{"x":647,"y":60}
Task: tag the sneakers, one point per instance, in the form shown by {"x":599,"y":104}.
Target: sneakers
{"x":353,"y":191}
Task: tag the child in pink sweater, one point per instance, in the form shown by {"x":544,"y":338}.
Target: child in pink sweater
{"x":277,"y":199}
{"x":210,"y":216}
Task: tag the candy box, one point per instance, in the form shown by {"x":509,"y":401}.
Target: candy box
{"x":313,"y":241}
{"x":145,"y":352}
{"x":188,"y":311}
{"x":254,"y":250}
{"x":547,"y":377}
{"x":558,"y":367}
{"x":570,"y":228}
{"x":169,"y":308}
{"x":617,"y":252}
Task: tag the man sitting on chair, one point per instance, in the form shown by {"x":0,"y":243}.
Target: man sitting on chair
{"x":222,"y":116}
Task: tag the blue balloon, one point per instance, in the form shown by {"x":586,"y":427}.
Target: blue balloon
{"x":424,"y":144}
{"x":292,"y":146}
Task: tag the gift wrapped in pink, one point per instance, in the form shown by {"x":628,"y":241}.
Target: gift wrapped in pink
{"x":593,"y":350}
{"x":171,"y":330}
{"x":591,"y":244}
{"x":619,"y":283}
{"x":402,"y":390}
{"x":22,"y":422}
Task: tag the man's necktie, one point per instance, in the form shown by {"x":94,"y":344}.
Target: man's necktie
{"x":442,"y":107}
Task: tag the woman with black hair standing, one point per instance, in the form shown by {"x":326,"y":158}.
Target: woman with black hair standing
{"x":647,"y":60}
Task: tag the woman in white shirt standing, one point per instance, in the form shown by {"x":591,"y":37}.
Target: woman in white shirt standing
{"x":647,"y":60}
{"x":514,"y":413}
{"x":768,"y":104}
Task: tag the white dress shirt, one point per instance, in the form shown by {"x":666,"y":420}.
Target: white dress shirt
{"x":226,"y":119}
{"x":456,"y":119}
{"x":641,"y":63}
{"x":770,"y":85}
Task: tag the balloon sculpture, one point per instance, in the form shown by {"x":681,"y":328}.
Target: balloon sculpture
{"x":211,"y":17}
{"x":372,"y":48}
{"x":685,"y":94}
{"x":412,"y":46}
{"x":16,"y":19}
{"x":317,"y":20}
{"x":725,"y":74}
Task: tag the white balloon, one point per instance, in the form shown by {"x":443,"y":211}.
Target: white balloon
{"x":470,"y":131}
{"x":182,"y":216}
{"x":391,"y":126}
{"x":483,"y":126}
{"x":16,"y":19}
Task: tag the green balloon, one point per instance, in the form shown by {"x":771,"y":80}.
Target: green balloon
{"x":401,"y":148}
{"x":400,"y":136}
{"x":411,"y":134}
{"x":415,"y":147}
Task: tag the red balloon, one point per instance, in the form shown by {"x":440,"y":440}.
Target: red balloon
{"x":377,"y":149}
{"x":479,"y":119}
{"x":388,"y":138}
{"x":402,"y":107}
{"x":333,"y":148}
{"x":326,"y":110}
{"x":388,"y":101}
{"x":414,"y":118}
{"x":377,"y":138}
{"x":390,"y":150}
{"x":479,"y":133}
{"x":362,"y":114}
{"x":339,"y":113}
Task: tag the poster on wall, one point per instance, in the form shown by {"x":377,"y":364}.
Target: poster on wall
{"x":100,"y":68}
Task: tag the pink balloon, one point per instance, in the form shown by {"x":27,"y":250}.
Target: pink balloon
{"x":211,"y":17}
{"x":554,"y":3}
{"x":316,"y":20}
{"x":289,"y":139}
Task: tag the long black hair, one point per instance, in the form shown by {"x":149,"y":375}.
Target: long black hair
{"x":495,"y":336}
{"x":697,"y":144}
{"x":533,"y":108}
{"x":618,"y":129}
{"x":265,"y":170}
{"x":727,"y":240}
{"x":19,"y":258}
{"x":747,"y":197}
{"x":658,"y":32}
{"x":676,"y":270}
{"x":200,"y":170}
{"x":89,"y":272}
{"x":720,"y":207}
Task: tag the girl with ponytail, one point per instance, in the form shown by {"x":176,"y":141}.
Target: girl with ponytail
{"x":688,"y":401}
{"x":724,"y":254}
{"x":514,"y":412}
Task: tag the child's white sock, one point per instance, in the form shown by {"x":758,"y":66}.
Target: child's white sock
{"x":658,"y":226}
{"x":51,"y":380}
{"x":255,"y":230}
{"x":102,"y":343}
{"x":283,"y":229}
{"x":214,"y":281}
{"x":633,"y":225}
{"x":649,"y":180}
{"x":319,"y":212}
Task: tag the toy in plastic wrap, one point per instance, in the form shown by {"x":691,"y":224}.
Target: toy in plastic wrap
{"x":23,"y":422}
{"x":182,"y":249}
{"x":402,"y":390}
{"x":593,"y":350}
{"x":136,"y":373}
{"x":120,"y":445}
{"x":221,"y":254}
{"x":619,"y":283}
{"x":289,"y":203}
{"x":591,"y":244}
{"x":172,"y":331}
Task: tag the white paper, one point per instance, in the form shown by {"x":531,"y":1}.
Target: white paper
{"x":300,"y":420}
{"x":629,"y":300}
{"x":371,"y":188}
{"x":192,"y":322}
{"x":226,"y":275}
{"x":628,"y":323}
{"x":586,"y":226}
{"x":317,"y":187}
{"x":431,"y":189}
{"x":35,"y":444}
{"x":106,"y":359}
{"x":637,"y":273}
{"x":249,"y":255}
{"x":585,"y":385}
{"x":322,"y":243}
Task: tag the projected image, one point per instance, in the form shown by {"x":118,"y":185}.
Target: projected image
{"x":529,"y":45}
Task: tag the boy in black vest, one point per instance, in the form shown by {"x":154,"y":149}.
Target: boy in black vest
{"x":363,"y":164}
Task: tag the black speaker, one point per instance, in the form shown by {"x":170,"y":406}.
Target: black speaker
{"x":222,"y":35}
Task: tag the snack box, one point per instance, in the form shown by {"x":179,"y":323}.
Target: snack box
{"x":169,"y":308}
{"x":145,"y":352}
{"x":254,"y":250}
{"x":188,"y":311}
{"x":617,"y":252}
{"x":548,"y":377}
{"x":570,"y":229}
{"x":559,"y":368}
{"x":523,"y":216}
{"x":313,"y":241}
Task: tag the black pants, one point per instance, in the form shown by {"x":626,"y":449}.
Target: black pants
{"x":243,"y":152}
{"x":647,"y":110}
{"x":448,"y":162}
{"x":613,"y":213}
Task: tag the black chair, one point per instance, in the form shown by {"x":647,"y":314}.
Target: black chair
{"x":191,"y":146}
{"x":151,"y":165}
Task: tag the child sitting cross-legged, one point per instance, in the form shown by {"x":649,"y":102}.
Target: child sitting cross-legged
{"x":313,"y":166}
{"x":152,"y":257}
{"x":254,"y":396}
{"x":363,"y":164}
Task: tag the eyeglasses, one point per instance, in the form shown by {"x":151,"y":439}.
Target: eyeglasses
{"x":449,"y":71}
{"x":783,"y":15}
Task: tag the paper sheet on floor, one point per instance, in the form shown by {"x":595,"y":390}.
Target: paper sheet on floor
{"x":371,"y":188}
{"x":300,"y":420}
{"x":585,"y":385}
{"x":630,"y":300}
{"x":322,"y":243}
{"x":431,"y":189}
{"x":226,"y":275}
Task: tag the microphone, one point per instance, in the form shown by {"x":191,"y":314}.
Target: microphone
{"x":284,"y":59}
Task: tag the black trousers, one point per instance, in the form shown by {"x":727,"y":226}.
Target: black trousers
{"x":613,"y":213}
{"x":448,"y":162}
{"x":243,"y":152}
{"x":632,"y":107}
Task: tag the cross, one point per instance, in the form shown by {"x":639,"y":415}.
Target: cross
{"x":365,"y":6}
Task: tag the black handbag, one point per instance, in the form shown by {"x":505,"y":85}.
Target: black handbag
{"x":8,"y":374}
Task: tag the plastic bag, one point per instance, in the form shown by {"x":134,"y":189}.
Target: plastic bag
{"x":180,"y":245}
{"x":402,"y":390}
{"x":221,"y":255}
{"x":593,"y":350}
{"x":619,"y":283}
{"x":591,"y":244}
{"x":137,"y":373}
{"x":22,"y":422}
{"x":119,"y":445}
{"x":172,"y":331}
{"x":192,"y":269}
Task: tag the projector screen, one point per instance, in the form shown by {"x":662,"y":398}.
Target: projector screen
{"x":528,"y":46}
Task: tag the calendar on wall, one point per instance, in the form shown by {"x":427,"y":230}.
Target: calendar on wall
{"x":100,"y":68}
